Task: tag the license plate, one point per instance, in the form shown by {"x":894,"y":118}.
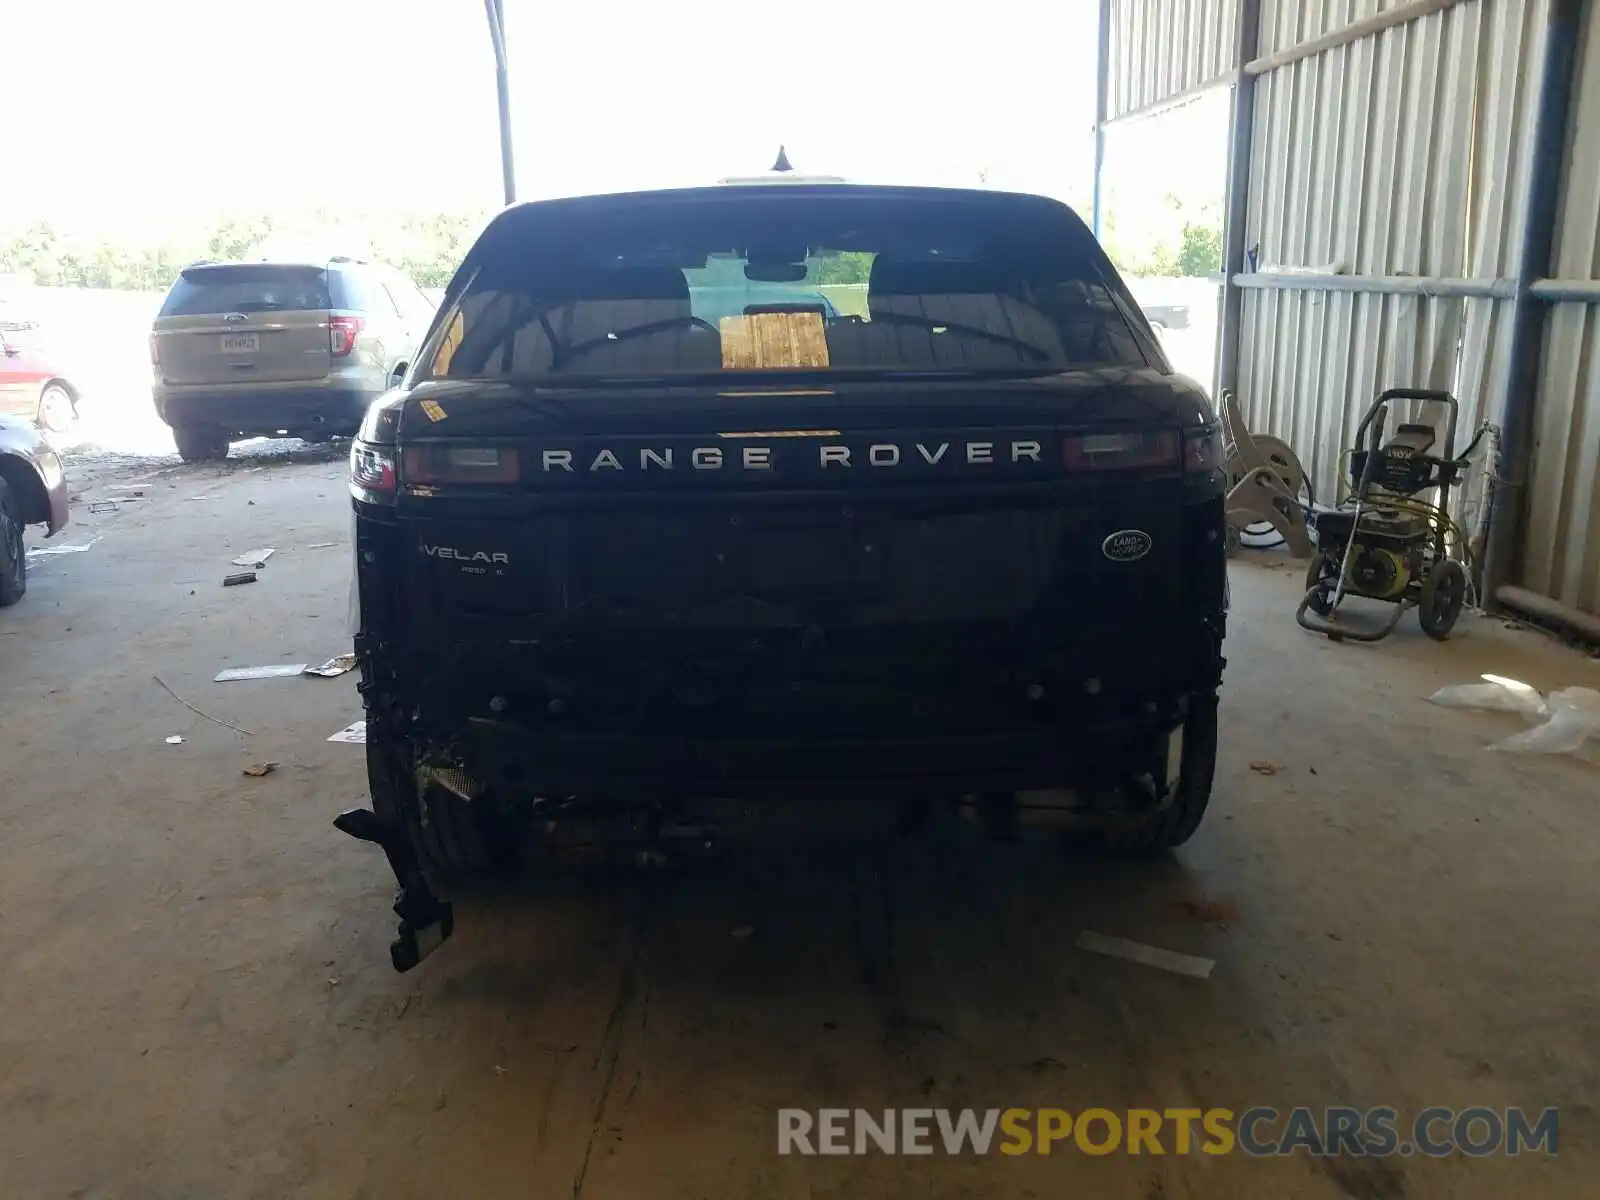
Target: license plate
{"x":241,"y":343}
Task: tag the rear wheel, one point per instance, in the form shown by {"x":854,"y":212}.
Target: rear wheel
{"x":1179,"y":816}
{"x":200,"y":443}
{"x":58,"y":411}
{"x":1444,"y":594}
{"x":445,"y":831}
{"x":13,"y":558}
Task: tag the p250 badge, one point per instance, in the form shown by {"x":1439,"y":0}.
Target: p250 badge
{"x":1126,"y":545}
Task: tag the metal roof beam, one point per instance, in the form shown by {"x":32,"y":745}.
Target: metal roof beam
{"x":1352,"y":32}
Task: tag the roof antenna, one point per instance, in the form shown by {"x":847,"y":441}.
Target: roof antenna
{"x":783,"y":161}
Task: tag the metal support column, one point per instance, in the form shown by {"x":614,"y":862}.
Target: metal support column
{"x":502,"y":80}
{"x":1524,"y":365}
{"x":1101,"y":107}
{"x":1235,"y":234}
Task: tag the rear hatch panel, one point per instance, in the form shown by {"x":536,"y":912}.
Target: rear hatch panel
{"x":911,"y":594}
{"x":235,"y":324}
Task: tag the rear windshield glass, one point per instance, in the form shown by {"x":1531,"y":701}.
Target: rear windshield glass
{"x":846,"y":281}
{"x":245,"y":289}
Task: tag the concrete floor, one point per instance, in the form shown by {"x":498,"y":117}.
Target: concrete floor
{"x":197,"y":1000}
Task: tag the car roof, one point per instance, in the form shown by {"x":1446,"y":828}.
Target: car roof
{"x":319,"y":263}
{"x":817,"y":186}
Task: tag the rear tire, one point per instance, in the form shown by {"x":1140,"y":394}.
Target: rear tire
{"x":58,"y":410}
{"x":445,"y":831}
{"x":198,"y":443}
{"x":1444,"y":594}
{"x":13,"y":557}
{"x":1175,"y":822}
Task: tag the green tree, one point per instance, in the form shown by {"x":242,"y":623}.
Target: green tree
{"x":846,"y":268}
{"x":1200,"y":251}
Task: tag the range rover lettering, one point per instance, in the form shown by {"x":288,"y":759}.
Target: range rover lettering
{"x":921,"y":515}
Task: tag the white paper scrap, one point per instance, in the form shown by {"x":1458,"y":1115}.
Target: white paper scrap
{"x":275,"y":671}
{"x":40,"y":551}
{"x":1149,"y":956}
{"x":356,"y":733}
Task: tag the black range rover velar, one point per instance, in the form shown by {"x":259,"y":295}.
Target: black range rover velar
{"x":774,"y":492}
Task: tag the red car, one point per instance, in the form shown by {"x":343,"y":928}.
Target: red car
{"x":33,"y":491}
{"x":32,"y":386}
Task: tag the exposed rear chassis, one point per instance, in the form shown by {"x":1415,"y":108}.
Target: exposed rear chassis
{"x":882,"y":767}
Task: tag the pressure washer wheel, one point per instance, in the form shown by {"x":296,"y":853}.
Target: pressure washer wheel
{"x":1321,"y":581}
{"x":1444,"y":594}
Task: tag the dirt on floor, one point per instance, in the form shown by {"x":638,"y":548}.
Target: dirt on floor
{"x":198,"y":1000}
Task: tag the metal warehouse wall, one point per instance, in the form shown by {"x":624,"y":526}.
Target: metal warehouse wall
{"x":1563,"y":534}
{"x":1379,"y":226}
{"x":1162,"y":49}
{"x":1394,"y":155}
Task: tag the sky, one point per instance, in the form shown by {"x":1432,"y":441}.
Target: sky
{"x":132,"y":114}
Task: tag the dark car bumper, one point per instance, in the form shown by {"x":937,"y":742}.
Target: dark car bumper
{"x":267,"y":411}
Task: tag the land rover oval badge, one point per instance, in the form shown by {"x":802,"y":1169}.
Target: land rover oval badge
{"x":1126,"y":545}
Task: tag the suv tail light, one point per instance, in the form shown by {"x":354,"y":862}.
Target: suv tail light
{"x":1120,"y":451}
{"x":342,"y":333}
{"x":459,"y":464}
{"x":372,"y":473}
{"x":1202,"y":451}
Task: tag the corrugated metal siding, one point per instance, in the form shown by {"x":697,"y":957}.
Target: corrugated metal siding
{"x":1393,"y":155}
{"x":1562,"y":548}
{"x":1163,"y":48}
{"x":1285,"y":25}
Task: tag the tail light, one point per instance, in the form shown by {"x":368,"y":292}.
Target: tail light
{"x":372,"y":473}
{"x":1202,"y":451}
{"x":443,"y":463}
{"x":1120,"y":451}
{"x":342,"y":334}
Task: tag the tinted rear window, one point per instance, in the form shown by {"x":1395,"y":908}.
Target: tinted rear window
{"x":847,"y":280}
{"x":248,"y":288}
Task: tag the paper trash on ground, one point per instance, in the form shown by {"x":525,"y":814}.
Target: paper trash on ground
{"x":40,"y":551}
{"x":255,"y":558}
{"x":1150,"y":956}
{"x":337,"y":665}
{"x":275,"y":671}
{"x":355,"y":732}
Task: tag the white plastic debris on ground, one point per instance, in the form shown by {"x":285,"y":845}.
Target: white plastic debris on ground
{"x":1495,"y":694}
{"x":1562,"y":723}
{"x":1574,"y":719}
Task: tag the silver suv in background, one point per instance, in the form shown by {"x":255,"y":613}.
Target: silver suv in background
{"x":279,"y":348}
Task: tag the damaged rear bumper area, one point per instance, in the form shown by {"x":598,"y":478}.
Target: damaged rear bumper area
{"x":505,"y":755}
